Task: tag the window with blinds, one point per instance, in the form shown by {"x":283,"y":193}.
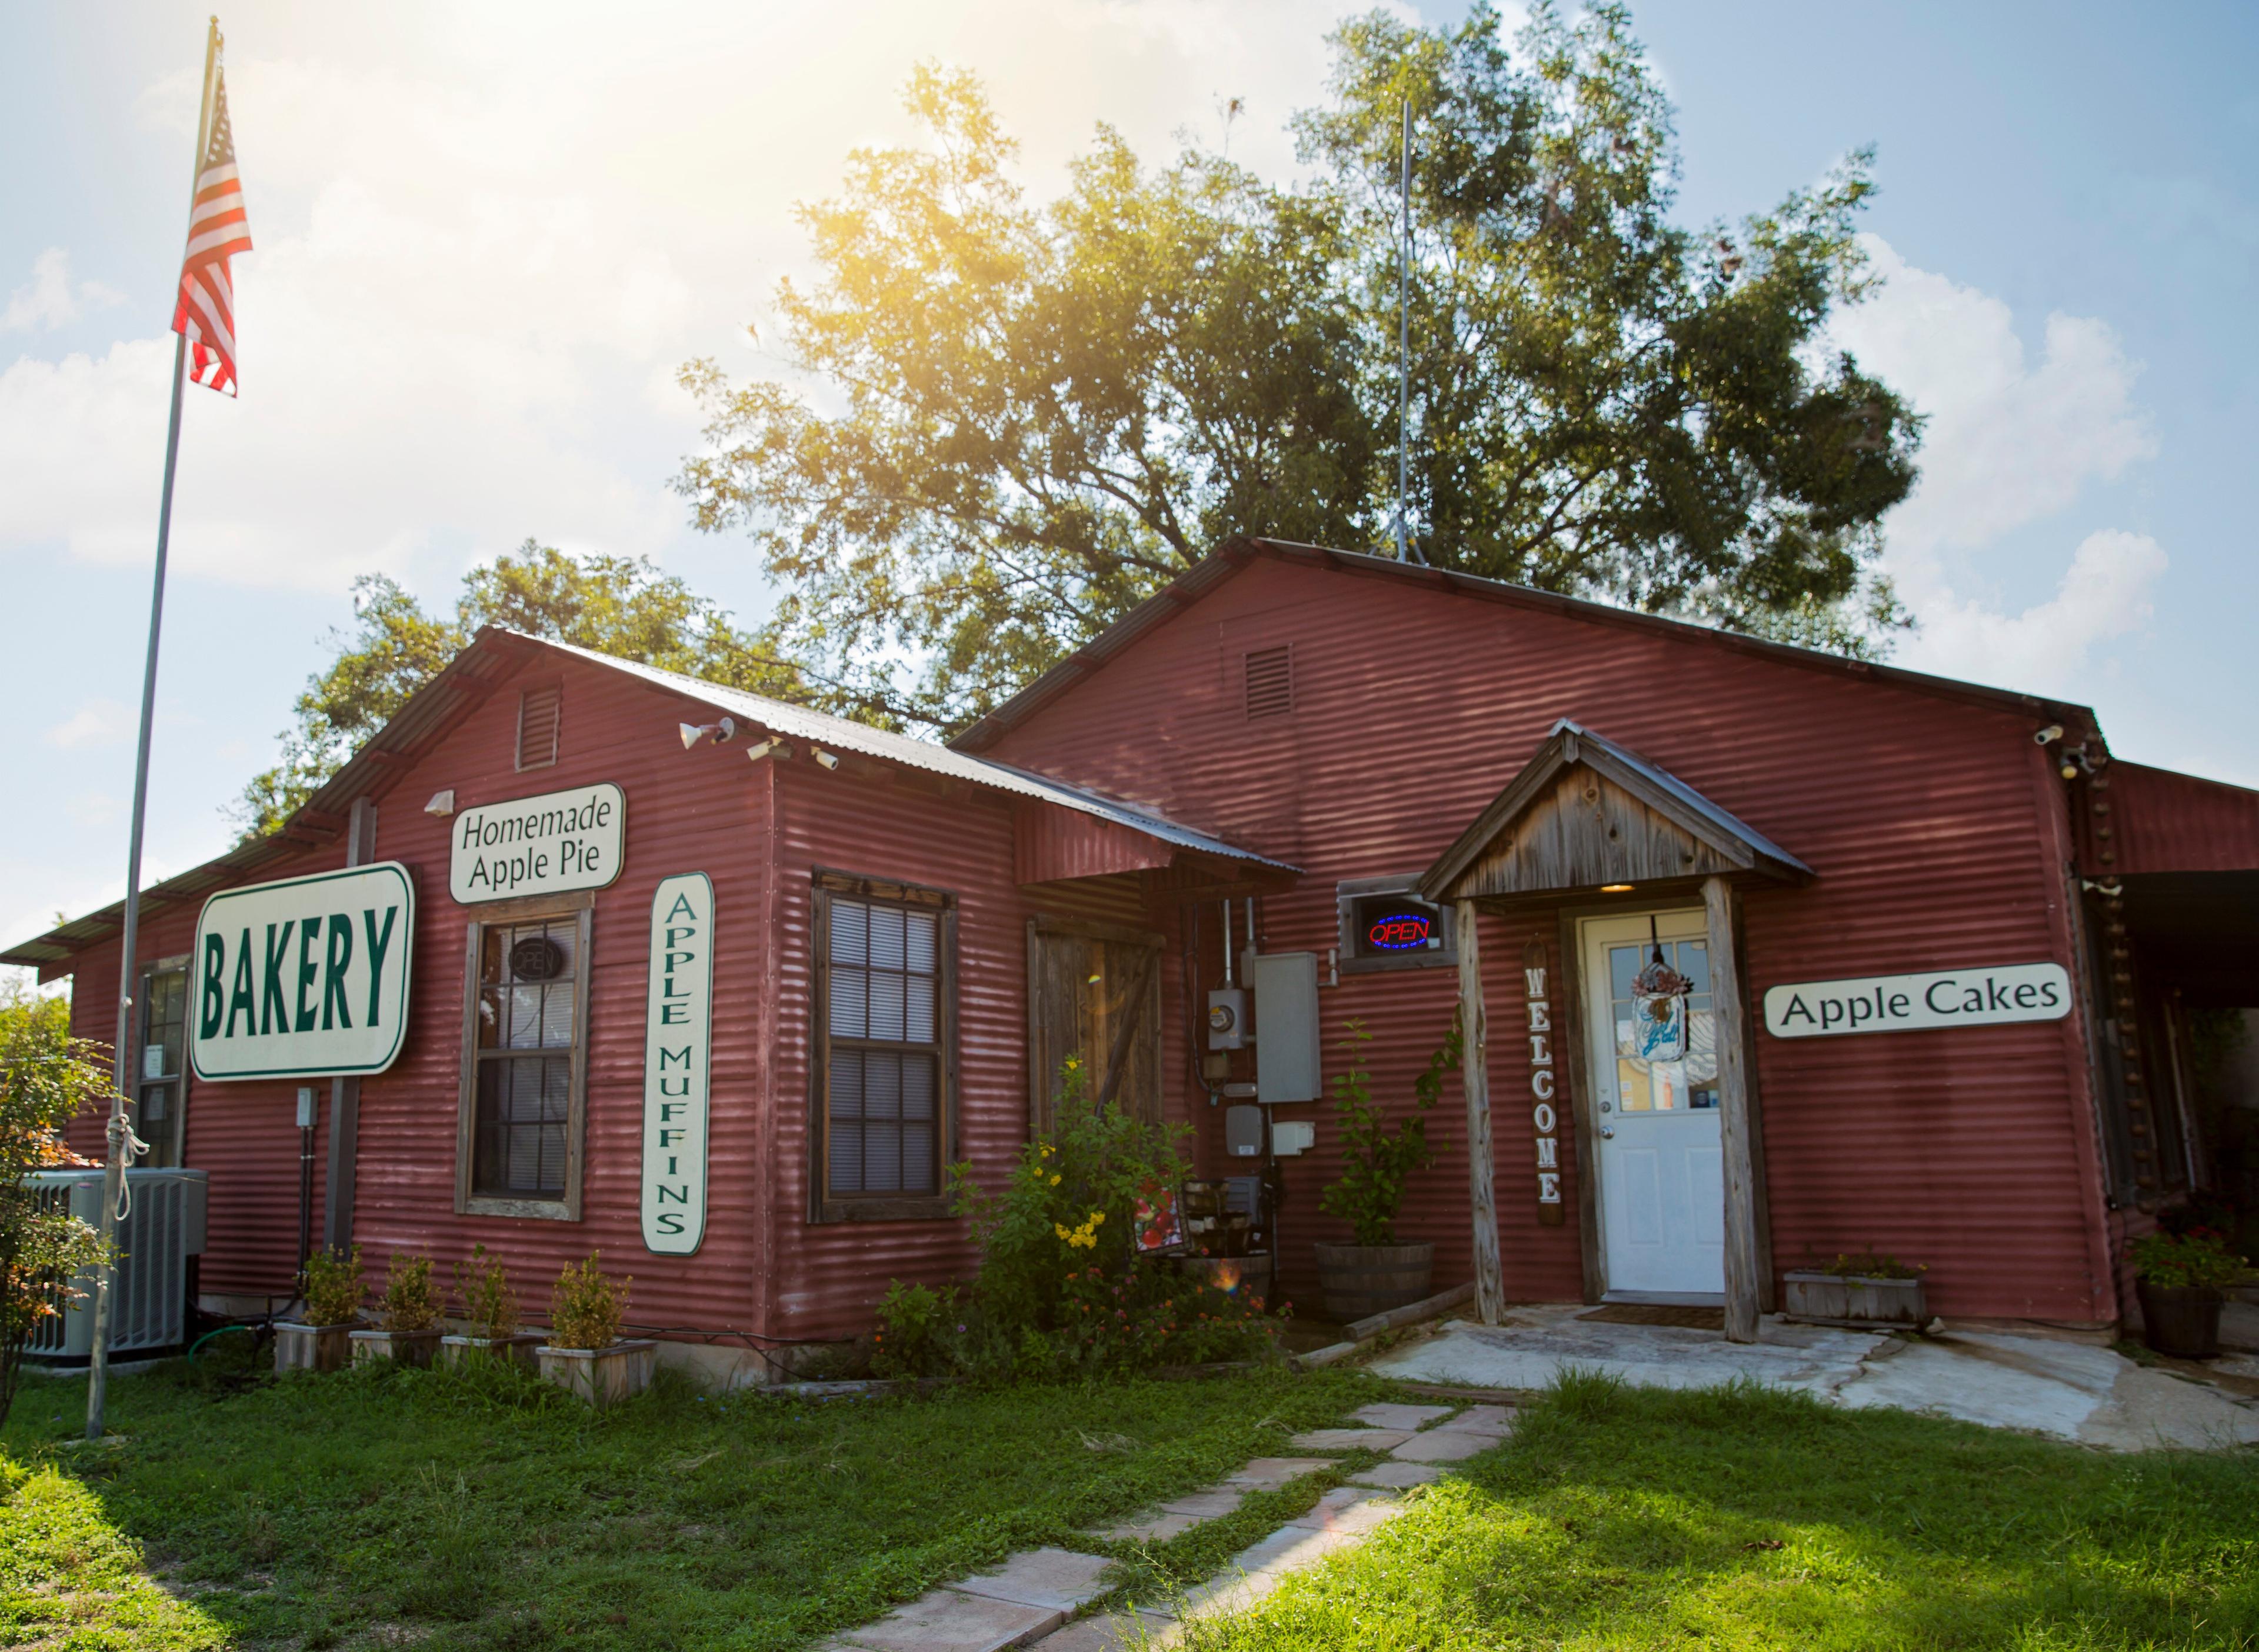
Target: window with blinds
{"x":527,"y":1047}
{"x":884,"y":1069}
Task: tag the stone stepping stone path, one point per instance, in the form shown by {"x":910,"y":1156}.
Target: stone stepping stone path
{"x":1033,"y":1598}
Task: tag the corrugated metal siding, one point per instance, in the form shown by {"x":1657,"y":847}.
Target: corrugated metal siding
{"x":1960,"y":1149}
{"x":1051,"y":843}
{"x":694,"y":811}
{"x":2164,"y":822}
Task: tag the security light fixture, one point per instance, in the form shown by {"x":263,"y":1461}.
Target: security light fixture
{"x":720,"y":733}
{"x":771,"y":747}
{"x":824,"y":757}
{"x":2048,"y":736}
{"x":441,"y":803}
{"x":1617,"y":889}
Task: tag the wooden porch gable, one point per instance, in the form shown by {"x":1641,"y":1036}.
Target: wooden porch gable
{"x":1585,"y":812}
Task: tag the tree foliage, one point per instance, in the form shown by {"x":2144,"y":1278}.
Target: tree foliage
{"x":613,"y":605}
{"x":1012,"y":422}
{"x":46,"y":1079}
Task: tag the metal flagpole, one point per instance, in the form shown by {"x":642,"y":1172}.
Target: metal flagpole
{"x":1404,"y":348}
{"x":113,"y":1180}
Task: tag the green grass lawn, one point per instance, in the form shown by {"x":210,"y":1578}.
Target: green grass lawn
{"x":332,"y":1511}
{"x":1637,"y":1518}
{"x":379,"y":1508}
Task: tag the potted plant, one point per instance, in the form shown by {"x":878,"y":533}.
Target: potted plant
{"x":490,"y":1314}
{"x":410,"y":1312}
{"x":2181,"y":1282}
{"x":1861,"y":1288}
{"x":1373,"y":1273}
{"x":584,"y":1355}
{"x":323,"y":1340}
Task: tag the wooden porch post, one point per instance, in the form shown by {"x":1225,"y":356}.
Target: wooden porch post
{"x":1474,"y":1075}
{"x":1736,"y":1136}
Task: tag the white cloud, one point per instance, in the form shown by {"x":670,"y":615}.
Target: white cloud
{"x":49,"y":300}
{"x":2008,"y":443}
{"x":485,"y":238}
{"x":98,"y":722}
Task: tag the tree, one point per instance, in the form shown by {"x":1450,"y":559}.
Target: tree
{"x":614,"y":605}
{"x":46,"y":1079}
{"x":1033,"y":418}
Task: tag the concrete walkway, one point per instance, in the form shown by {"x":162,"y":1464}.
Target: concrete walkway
{"x":1041,"y":1598}
{"x":2069,"y":1390}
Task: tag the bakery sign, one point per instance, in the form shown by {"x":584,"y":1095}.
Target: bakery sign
{"x":1978,"y":997}
{"x":303,"y":977}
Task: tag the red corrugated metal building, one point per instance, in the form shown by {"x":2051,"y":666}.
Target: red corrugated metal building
{"x":906,"y":938}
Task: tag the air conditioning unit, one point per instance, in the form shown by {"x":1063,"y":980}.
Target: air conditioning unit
{"x":164,"y":1227}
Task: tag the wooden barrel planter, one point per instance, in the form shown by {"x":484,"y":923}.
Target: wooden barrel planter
{"x":1359,"y":1281}
{"x":2181,"y":1319}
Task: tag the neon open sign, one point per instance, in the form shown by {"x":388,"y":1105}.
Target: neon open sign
{"x":1398,"y":932}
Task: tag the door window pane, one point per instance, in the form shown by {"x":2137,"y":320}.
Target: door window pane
{"x":1688,"y":1080}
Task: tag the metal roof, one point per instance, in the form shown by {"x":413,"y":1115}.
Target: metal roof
{"x":1237,"y":553}
{"x":494,"y":652}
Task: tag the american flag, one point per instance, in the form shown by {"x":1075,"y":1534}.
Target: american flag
{"x":217,"y":231}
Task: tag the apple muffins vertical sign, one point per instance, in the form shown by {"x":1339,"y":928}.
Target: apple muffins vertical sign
{"x":677,"y":1044}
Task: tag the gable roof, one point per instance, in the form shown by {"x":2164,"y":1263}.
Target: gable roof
{"x":1237,"y":554}
{"x":434,"y":710}
{"x":1570,"y":745}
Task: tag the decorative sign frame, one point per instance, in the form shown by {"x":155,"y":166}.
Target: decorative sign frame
{"x":678,"y":1047}
{"x":305,"y":977}
{"x":1981,"y":997}
{"x":550,"y":844}
{"x":1544,"y":1115}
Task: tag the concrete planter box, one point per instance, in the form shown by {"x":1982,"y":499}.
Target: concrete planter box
{"x":1834,"y":1298}
{"x":453,"y":1350}
{"x":601,"y":1376}
{"x":409,"y":1348}
{"x":312,"y":1347}
{"x":1360,"y":1281}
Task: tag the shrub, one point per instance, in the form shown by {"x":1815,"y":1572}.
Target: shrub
{"x":410,"y":1303}
{"x":489,"y":1305}
{"x":47,"y":1077}
{"x":2199,"y":1257}
{"x":585,"y":1308}
{"x":333,"y":1288}
{"x":909,"y":1341}
{"x":1378,"y":1157}
{"x":1065,"y":1288}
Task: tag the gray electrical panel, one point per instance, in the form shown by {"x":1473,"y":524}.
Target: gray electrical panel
{"x":1284,"y":987}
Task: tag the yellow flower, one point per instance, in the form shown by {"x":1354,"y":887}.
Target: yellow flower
{"x":1097,"y":1216}
{"x":1055,"y":1180}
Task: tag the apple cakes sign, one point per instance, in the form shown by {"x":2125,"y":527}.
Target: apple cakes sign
{"x":1981,"y":997}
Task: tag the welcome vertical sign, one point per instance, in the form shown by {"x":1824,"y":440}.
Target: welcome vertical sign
{"x":677,"y":1044}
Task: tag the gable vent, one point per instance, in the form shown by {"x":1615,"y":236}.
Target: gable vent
{"x":537,"y":711}
{"x":1270,"y":683}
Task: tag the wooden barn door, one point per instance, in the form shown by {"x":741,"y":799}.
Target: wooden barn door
{"x":1094,"y":991}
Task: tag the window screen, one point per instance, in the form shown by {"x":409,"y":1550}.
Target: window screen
{"x":883,"y":998}
{"x":527,"y":1044}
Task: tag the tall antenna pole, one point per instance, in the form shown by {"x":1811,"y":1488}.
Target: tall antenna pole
{"x":1404,"y":345}
{"x":113,"y":1180}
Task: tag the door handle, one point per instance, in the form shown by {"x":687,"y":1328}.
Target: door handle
{"x":1607,"y":1134}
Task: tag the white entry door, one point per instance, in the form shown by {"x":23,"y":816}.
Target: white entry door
{"x":1662,"y":1169}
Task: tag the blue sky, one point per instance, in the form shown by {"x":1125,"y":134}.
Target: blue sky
{"x":487,"y":234}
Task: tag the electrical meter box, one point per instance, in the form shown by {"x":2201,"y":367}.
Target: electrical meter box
{"x":1227,"y":1018}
